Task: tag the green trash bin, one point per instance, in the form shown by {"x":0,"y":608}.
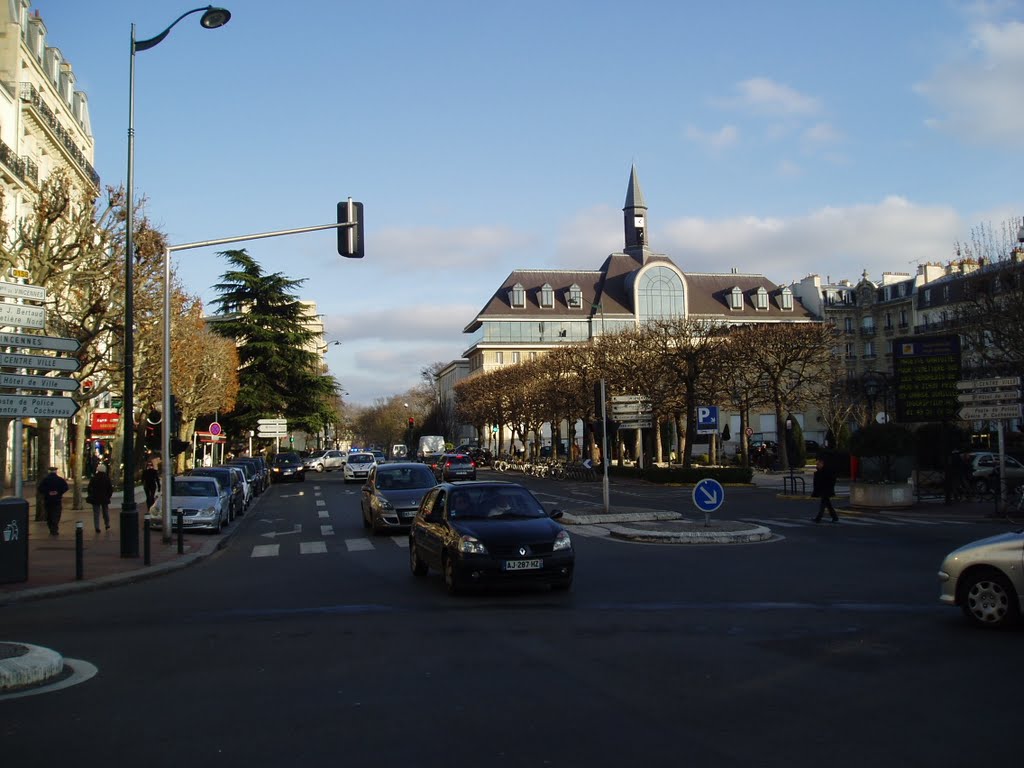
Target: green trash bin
{"x":13,"y":540}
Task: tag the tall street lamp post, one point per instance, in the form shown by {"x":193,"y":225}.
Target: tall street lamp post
{"x":211,"y":19}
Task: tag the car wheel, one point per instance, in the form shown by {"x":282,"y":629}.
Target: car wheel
{"x":319,"y":467}
{"x":980,"y":485}
{"x":451,"y":581}
{"x":418,"y":567}
{"x":988,"y":600}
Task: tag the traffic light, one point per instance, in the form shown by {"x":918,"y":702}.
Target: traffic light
{"x":350,"y":237}
{"x":412,"y":422}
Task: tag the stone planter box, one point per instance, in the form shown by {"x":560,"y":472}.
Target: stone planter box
{"x":881,"y":496}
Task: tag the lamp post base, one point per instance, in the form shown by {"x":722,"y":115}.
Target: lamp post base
{"x":129,"y":531}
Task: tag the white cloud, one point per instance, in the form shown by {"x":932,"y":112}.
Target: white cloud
{"x":767,"y":96}
{"x":726,"y":136}
{"x":822,"y":133}
{"x":977,"y":94}
{"x":588,"y":237}
{"x":893,"y":235}
{"x":420,"y":249}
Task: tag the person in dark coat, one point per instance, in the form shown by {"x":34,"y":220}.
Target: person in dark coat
{"x":99,"y":493}
{"x":824,"y":488}
{"x":52,"y":488}
{"x":150,"y":483}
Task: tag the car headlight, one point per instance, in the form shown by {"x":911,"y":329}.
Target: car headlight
{"x":562,"y":541}
{"x":386,"y":505}
{"x":471,"y":545}
{"x":209,"y":512}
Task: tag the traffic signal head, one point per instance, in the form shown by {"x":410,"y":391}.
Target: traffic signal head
{"x":412,"y":422}
{"x":350,"y":236}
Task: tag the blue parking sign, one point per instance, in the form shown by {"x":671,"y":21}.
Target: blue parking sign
{"x":707,"y":419}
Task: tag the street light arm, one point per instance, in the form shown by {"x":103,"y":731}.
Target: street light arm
{"x":145,"y":45}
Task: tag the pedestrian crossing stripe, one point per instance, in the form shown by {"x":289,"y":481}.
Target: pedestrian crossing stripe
{"x":326,"y":530}
{"x":323,"y":513}
{"x":358,"y":545}
{"x":321,"y":503}
{"x":312,"y":547}
{"x":266,"y":550}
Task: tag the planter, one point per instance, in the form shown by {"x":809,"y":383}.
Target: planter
{"x":881,"y":495}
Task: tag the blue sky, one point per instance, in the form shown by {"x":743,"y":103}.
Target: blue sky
{"x":783,"y":138}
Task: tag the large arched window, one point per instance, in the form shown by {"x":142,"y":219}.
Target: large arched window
{"x":659,"y":295}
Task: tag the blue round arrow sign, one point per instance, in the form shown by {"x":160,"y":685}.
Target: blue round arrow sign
{"x":708,"y":495}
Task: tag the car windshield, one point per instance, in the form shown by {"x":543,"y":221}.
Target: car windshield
{"x":193,"y":488}
{"x":405,"y":478}
{"x":286,"y":458}
{"x":484,"y":502}
{"x":360,"y":458}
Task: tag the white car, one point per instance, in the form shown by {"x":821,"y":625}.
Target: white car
{"x":325,"y":461}
{"x":986,"y":579}
{"x":358,"y":466}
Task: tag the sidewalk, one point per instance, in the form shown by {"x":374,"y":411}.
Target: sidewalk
{"x":52,"y":559}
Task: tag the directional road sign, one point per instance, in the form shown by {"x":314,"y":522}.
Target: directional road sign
{"x":38,"y":406}
{"x":1006,"y":381}
{"x":263,"y":433}
{"x":636,"y":424}
{"x":22,"y":315}
{"x":273,"y":422}
{"x":55,"y":383}
{"x":990,"y":412}
{"x":627,"y":398}
{"x":40,"y":362}
{"x":57,"y":343}
{"x":708,"y":495}
{"x":19,"y":291}
{"x":995,"y":396}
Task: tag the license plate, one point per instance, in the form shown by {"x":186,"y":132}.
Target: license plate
{"x":523,"y":565}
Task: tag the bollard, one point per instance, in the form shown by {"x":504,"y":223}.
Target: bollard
{"x":181,"y":531}
{"x":146,"y":527}
{"x":79,"y":551}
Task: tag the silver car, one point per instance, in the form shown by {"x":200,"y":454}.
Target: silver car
{"x":325,"y":461}
{"x":986,"y":579}
{"x":392,"y":494}
{"x":203,"y":504}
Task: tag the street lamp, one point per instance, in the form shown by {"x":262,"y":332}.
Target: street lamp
{"x":328,"y":344}
{"x":873,"y":384}
{"x":211,"y":19}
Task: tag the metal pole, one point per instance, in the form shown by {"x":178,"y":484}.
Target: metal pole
{"x":167,"y":480}
{"x":129,"y":512}
{"x":79,"y":552}
{"x":1001,"y":491}
{"x":604,"y":449}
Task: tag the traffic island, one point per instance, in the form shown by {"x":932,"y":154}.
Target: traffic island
{"x":692,"y":532}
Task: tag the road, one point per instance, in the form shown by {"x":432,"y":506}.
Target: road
{"x":305,"y":640}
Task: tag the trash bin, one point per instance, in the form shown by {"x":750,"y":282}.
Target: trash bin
{"x":13,"y":540}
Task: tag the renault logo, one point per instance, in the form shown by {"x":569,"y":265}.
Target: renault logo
{"x":522,"y":551}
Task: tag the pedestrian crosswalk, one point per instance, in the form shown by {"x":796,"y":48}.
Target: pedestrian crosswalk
{"x":361,"y":544}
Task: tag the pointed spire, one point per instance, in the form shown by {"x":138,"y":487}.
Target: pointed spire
{"x":634,"y":195}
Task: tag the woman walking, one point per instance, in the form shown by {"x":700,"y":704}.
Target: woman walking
{"x":98,"y":494}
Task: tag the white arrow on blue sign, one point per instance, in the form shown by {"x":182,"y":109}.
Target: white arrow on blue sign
{"x":708,"y":495}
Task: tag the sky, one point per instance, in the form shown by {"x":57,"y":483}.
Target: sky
{"x":781,"y":138}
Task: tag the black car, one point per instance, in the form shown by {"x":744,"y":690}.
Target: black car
{"x":257,"y":476}
{"x":489,"y":533}
{"x":226,"y":479}
{"x":287,"y":466}
{"x":455,"y":466}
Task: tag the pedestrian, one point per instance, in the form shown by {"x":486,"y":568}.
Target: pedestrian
{"x":52,"y":488}
{"x":824,"y":488}
{"x":98,"y":494}
{"x":150,"y":484}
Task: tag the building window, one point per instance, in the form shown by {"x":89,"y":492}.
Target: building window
{"x":927,"y":296}
{"x":736,"y":299}
{"x":575,"y":297}
{"x":903,"y":318}
{"x":761,"y":298}
{"x":787,"y":299}
{"x":517,"y":296}
{"x":533,"y":355}
{"x":849,"y":351}
{"x":887,"y":292}
{"x":547,"y":296}
{"x":888,"y":321}
{"x":848,"y":324}
{"x":515,"y":358}
{"x":659,"y":295}
{"x":499,"y":358}
{"x":869,"y":349}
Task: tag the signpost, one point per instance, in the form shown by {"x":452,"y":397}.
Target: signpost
{"x":39,"y":362}
{"x":37,"y":406}
{"x":28,"y":341}
{"x":55,"y":383}
{"x":992,"y":400}
{"x":22,"y":316}
{"x":708,"y":495}
{"x":927,"y":370}
{"x":20,"y":291}
{"x":272,"y":428}
{"x":707,"y":419}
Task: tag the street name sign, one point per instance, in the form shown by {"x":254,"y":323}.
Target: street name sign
{"x":636,"y":424}
{"x":56,"y":343}
{"x":56,"y":383}
{"x":1005,"y":381}
{"x":271,"y":434}
{"x":627,"y":398}
{"x":37,"y":406}
{"x":40,"y":362}
{"x":19,"y":291}
{"x":272,"y":422}
{"x":22,"y":315}
{"x":995,"y":396}
{"x":990,"y":412}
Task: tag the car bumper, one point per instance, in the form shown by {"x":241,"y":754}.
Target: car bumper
{"x":557,"y":568}
{"x":397,"y":519}
{"x":947,"y":589}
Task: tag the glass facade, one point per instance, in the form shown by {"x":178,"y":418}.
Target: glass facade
{"x":660,"y":295}
{"x":532,"y":331}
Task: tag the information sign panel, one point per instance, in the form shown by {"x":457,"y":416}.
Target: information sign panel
{"x":31,"y":341}
{"x":37,"y":406}
{"x":927,"y":370}
{"x":54,"y":383}
{"x":21,"y":291}
{"x":22,"y":315}
{"x":39,"y":362}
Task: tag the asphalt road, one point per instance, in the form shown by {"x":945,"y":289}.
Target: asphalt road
{"x":826,"y":646}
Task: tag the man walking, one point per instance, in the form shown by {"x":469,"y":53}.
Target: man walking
{"x":52,"y":488}
{"x":824,"y":488}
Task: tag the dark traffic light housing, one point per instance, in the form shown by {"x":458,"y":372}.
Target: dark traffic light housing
{"x":350,"y":235}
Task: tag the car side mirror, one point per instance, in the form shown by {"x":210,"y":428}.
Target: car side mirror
{"x":554,"y":514}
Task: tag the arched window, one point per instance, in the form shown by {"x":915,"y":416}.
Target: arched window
{"x":659,"y":295}
{"x":517,"y":296}
{"x":787,"y":299}
{"x":575,"y":297}
{"x":547,"y":296}
{"x":761,"y":297}
{"x":736,"y":299}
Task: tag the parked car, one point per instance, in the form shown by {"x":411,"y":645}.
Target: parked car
{"x":325,"y":461}
{"x":230,"y":480}
{"x":287,"y":467}
{"x":259,"y":478}
{"x":358,"y":466}
{"x":455,"y":466}
{"x":392,"y":494}
{"x":985,"y":579}
{"x":984,"y":466}
{"x":249,"y":471}
{"x":204,"y":505}
{"x":483,"y":533}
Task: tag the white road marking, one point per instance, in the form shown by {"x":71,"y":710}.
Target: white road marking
{"x":326,"y":530}
{"x":358,"y":545}
{"x":312,"y":547}
{"x":323,"y":513}
{"x":402,"y":541}
{"x":266,"y":550}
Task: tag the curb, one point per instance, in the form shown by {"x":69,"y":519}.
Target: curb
{"x":29,"y":665}
{"x":686,"y":532}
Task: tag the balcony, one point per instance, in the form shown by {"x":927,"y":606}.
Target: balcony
{"x":31,"y":97}
{"x":867,"y":331}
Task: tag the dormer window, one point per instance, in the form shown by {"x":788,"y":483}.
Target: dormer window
{"x":786,"y":299}
{"x":736,"y":299}
{"x":761,"y":299}
{"x":574,"y":299}
{"x":517,"y":296}
{"x":547,"y":296}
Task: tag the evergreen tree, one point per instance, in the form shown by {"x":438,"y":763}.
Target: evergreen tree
{"x":279,"y":372}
